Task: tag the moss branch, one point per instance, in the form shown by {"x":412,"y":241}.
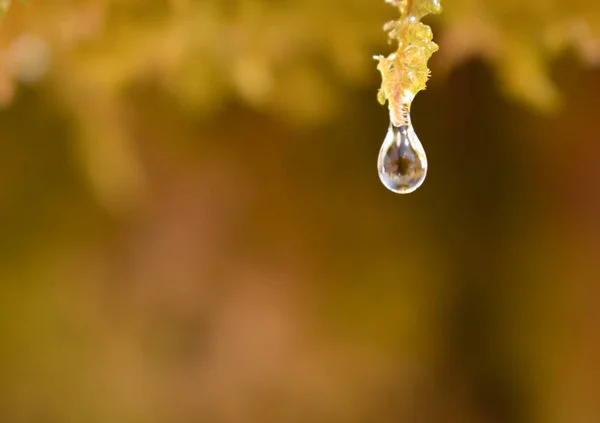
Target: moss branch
{"x":404,"y":73}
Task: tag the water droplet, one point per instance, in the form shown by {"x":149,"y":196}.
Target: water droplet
{"x":402,"y":163}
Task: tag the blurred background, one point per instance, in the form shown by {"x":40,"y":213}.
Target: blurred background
{"x":193,"y":229}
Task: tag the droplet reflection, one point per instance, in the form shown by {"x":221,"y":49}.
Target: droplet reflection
{"x":402,"y":162}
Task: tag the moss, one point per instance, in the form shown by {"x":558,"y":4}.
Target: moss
{"x":404,"y":73}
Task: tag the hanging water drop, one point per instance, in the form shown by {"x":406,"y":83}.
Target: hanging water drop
{"x":402,"y":162}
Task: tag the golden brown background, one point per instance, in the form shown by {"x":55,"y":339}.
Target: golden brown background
{"x":192,"y":229}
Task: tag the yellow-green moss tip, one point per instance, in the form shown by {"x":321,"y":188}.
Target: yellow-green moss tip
{"x":405,"y":73}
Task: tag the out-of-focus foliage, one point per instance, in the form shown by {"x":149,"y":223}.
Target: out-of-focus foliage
{"x":288,"y":58}
{"x":284,"y":57}
{"x":521,"y":39}
{"x":261,"y":273}
{"x":258,"y":51}
{"x":4,"y":5}
{"x":252,"y":48}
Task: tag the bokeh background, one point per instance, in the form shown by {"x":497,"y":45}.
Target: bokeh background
{"x":192,"y":229}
